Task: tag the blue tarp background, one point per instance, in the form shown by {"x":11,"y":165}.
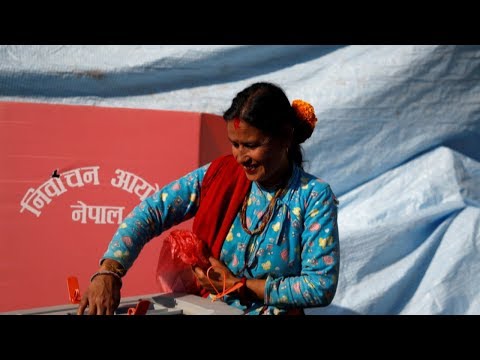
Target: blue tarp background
{"x":398,"y":139}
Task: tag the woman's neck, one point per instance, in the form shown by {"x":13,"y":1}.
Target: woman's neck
{"x":280,"y":180}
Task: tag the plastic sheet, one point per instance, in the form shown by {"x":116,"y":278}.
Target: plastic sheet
{"x":181,"y":250}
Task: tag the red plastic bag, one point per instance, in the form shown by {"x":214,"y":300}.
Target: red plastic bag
{"x":180,"y":250}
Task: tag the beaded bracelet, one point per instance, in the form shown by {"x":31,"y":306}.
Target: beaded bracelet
{"x":106,"y":272}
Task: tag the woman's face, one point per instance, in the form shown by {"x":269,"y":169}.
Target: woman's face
{"x":263,"y":158}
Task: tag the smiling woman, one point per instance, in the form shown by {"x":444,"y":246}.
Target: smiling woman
{"x":269,"y":227}
{"x":264,"y":159}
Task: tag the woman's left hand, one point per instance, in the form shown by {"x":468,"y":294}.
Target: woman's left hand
{"x":218,"y":277}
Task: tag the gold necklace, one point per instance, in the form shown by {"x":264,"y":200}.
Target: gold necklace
{"x":265,"y":217}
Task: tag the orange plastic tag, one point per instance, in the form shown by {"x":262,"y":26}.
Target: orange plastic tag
{"x":140,"y":309}
{"x":73,"y":290}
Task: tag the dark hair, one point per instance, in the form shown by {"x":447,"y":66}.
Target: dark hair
{"x":266,"y":107}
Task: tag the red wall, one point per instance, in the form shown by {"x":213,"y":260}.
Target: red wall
{"x":44,"y":238}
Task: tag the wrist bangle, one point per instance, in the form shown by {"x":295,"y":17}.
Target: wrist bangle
{"x":107,"y":265}
{"x":243,"y":280}
{"x":106,"y":272}
{"x":242,"y":290}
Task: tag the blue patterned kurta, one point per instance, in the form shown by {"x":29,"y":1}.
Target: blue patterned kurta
{"x":297,"y":253}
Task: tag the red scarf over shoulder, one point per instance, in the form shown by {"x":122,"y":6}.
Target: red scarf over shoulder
{"x":224,"y":187}
{"x":221,"y":195}
{"x":222,"y":192}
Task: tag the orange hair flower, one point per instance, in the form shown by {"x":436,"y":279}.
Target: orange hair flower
{"x":305,"y":112}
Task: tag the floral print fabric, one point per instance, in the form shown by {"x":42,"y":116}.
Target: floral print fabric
{"x":297,"y":253}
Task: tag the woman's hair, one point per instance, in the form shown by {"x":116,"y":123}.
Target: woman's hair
{"x":266,"y":107}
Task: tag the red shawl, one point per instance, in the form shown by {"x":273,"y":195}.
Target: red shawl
{"x":221,"y":195}
{"x":223,"y":189}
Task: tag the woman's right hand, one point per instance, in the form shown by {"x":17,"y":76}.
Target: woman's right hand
{"x":102,"y":296}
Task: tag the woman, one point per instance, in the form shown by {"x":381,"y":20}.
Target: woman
{"x":269,"y":225}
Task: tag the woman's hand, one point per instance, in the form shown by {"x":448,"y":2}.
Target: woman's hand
{"x":217,"y":273}
{"x":102,"y":296}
